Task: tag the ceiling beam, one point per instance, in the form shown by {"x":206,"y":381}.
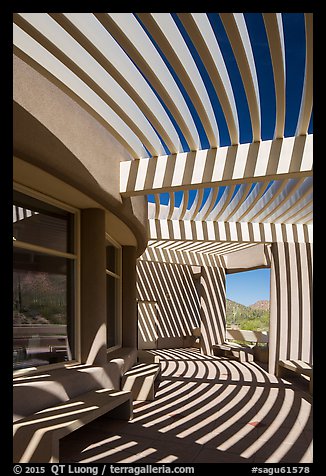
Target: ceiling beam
{"x":290,"y":157}
{"x":245,"y":232}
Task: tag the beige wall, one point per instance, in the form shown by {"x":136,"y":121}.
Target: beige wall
{"x":184,"y":301}
{"x":212,"y":308}
{"x":291,"y":321}
{"x":255,"y":257}
{"x":173,"y":287}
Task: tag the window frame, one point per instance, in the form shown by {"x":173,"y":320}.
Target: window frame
{"x":118,"y":276}
{"x":50,"y":251}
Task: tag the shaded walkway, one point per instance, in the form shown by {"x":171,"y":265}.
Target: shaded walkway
{"x":207,"y":410}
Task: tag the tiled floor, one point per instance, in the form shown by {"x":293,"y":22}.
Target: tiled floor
{"x":206,"y":410}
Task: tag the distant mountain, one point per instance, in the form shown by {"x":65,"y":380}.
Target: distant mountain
{"x":254,"y":317}
{"x":263,"y":305}
{"x":232,"y":306}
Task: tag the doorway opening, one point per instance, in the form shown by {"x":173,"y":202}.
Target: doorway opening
{"x":248,"y":308}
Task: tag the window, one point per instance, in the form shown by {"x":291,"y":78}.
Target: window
{"x":113,"y":293}
{"x":44,"y":275}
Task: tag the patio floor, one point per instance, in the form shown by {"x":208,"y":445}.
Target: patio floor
{"x":206,"y":410}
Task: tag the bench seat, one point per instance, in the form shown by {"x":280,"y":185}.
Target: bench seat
{"x":234,"y":350}
{"x":243,"y":351}
{"x":140,"y":380}
{"x":297,"y":366}
{"x":36,"y":437}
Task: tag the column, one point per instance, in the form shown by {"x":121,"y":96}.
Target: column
{"x":93,"y":287}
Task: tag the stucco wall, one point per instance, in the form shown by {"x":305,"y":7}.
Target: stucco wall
{"x":291,"y":322}
{"x":184,"y":301}
{"x":173,"y":288}
{"x":212,"y":308}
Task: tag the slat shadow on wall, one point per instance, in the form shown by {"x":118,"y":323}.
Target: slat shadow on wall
{"x":173,"y":288}
{"x":291,"y":303}
{"x":184,"y":301}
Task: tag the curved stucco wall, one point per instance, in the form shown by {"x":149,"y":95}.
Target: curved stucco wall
{"x":53,"y":132}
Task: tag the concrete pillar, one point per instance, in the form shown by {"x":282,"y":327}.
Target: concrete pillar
{"x":129,"y":303}
{"x":212,"y":308}
{"x":291,"y":306}
{"x":93,"y":287}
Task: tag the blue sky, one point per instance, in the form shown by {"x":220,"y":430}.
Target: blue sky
{"x":294,"y":39}
{"x":248,"y":287}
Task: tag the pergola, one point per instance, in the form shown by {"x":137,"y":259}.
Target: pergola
{"x":172,"y":89}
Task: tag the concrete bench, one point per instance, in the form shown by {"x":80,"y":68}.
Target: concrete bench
{"x":36,"y":437}
{"x":140,"y":380}
{"x":234,"y":350}
{"x":245,"y":351}
{"x":297,"y":366}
